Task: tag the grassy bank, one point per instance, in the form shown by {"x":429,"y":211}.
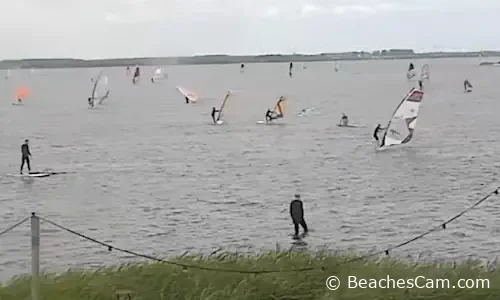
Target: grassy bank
{"x":161,"y":281}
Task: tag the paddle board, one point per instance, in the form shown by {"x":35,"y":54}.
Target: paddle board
{"x":269,"y":123}
{"x":39,"y":174}
{"x":31,"y":174}
{"x":351,"y":126}
{"x":18,"y":104}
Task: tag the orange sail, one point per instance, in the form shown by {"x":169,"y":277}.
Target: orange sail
{"x":22,"y":93}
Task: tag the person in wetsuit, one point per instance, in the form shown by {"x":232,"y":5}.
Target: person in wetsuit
{"x":214,"y":111}
{"x":290,"y":68}
{"x":420,"y":85}
{"x":376,"y":131}
{"x":137,"y":74}
{"x":269,"y":115}
{"x":91,"y":103}
{"x":344,"y":120}
{"x":26,"y":154}
{"x":297,"y":214}
{"x":467,"y":85}
{"x":187,"y":100}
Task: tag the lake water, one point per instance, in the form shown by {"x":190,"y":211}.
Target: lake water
{"x":155,"y":176}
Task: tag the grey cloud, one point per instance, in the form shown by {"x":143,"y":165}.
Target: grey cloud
{"x":117,"y":28}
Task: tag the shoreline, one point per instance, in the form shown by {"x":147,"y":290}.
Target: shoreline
{"x":160,"y":280}
{"x":52,"y":63}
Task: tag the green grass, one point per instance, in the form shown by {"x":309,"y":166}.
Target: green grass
{"x":162,"y":281}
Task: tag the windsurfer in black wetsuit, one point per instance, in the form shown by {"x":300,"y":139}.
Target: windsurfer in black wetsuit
{"x":26,"y":154}
{"x":420,"y":85}
{"x":137,"y":74}
{"x":467,"y":85}
{"x":91,"y":103}
{"x":290,"y":68}
{"x":297,"y":214}
{"x":214,"y":111}
{"x":269,"y":115}
{"x":376,"y":131}
{"x":187,"y":100}
{"x":344,"y":120}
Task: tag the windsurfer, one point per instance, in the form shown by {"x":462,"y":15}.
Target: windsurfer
{"x":137,"y":74}
{"x":187,"y":100}
{"x":376,"y":131}
{"x":467,"y":85}
{"x":344,"y":120}
{"x":290,"y":68}
{"x":420,"y":85}
{"x":297,"y":214}
{"x":26,"y":154}
{"x":91,"y":102}
{"x":214,"y":111}
{"x":269,"y":116}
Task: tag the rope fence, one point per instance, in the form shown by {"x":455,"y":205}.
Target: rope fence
{"x":35,"y":248}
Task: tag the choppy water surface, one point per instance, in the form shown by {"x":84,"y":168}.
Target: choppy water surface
{"x":155,"y":176}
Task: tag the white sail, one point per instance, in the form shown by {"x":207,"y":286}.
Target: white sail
{"x":228,"y":94}
{"x":424,"y":73}
{"x":411,"y":71}
{"x":100,"y":90}
{"x":192,"y":96}
{"x":158,"y":74}
{"x":401,"y":127}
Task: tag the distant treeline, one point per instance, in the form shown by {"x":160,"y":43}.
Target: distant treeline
{"x":228,"y":59}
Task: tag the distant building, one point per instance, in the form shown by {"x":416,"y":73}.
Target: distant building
{"x":393,"y":52}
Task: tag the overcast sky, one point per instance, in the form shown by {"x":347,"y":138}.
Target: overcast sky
{"x":132,"y":28}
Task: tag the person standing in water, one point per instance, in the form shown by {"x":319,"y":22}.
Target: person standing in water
{"x":290,"y":68}
{"x":26,"y":154}
{"x":214,"y":111}
{"x":297,"y":214}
